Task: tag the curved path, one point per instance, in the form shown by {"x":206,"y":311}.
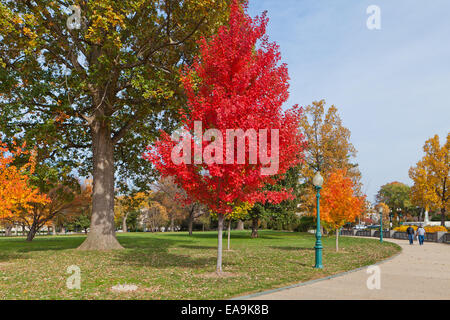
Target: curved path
{"x":418,"y":272}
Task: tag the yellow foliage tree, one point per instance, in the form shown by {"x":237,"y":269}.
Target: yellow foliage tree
{"x":386,"y":212}
{"x":328,"y":148}
{"x":431,"y":177}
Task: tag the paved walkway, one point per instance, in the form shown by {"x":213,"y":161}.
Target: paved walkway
{"x":418,"y":272}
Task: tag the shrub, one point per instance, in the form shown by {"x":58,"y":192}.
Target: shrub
{"x":429,"y":229}
{"x":306,"y":223}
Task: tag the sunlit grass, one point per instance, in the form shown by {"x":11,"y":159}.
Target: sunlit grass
{"x":174,"y":265}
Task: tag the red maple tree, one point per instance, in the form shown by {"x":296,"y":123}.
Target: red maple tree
{"x":237,"y":82}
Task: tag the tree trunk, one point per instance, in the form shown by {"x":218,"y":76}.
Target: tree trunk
{"x":443,"y":216}
{"x":229,"y":234}
{"x":172,"y":224}
{"x":32,"y":233}
{"x":102,"y":235}
{"x":124,"y":223}
{"x":190,"y":223}
{"x":8,"y":230}
{"x":219,"y":243}
{"x":255,"y":228}
{"x":240,"y":225}
{"x":337,"y":240}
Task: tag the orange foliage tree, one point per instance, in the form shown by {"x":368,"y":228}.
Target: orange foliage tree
{"x":16,"y":192}
{"x":340,"y":204}
{"x":66,"y":198}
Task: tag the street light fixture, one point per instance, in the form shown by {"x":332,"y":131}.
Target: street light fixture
{"x":318,"y":182}
{"x":380,"y":210}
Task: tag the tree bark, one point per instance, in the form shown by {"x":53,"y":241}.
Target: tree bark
{"x":124,"y":223}
{"x":337,"y":240}
{"x":102,"y":235}
{"x":443,"y":216}
{"x":229,"y":234}
{"x":240,"y":225}
{"x":255,"y":228}
{"x":190,"y":223}
{"x":32,"y":233}
{"x":219,"y":243}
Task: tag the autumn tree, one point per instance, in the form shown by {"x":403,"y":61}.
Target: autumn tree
{"x":121,"y":211}
{"x":65,"y":198}
{"x":177,"y":203}
{"x":395,"y":195}
{"x":236,"y":83}
{"x":431,"y":177}
{"x":386,"y":211}
{"x":169,"y":195}
{"x":78,"y":215}
{"x":340,"y":203}
{"x":153,"y":214}
{"x":17,"y":194}
{"x":328,"y":149}
{"x":92,"y":83}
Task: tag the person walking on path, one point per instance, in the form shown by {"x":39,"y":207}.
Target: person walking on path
{"x":410,"y":233}
{"x":421,"y":233}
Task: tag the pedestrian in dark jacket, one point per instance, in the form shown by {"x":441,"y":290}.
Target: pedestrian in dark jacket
{"x":410,"y":233}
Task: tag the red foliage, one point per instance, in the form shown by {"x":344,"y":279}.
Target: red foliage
{"x":236,"y":83}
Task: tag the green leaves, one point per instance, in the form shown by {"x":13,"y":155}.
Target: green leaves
{"x":121,"y":66}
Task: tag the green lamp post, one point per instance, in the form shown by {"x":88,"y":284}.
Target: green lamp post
{"x":380,"y":210}
{"x":318,"y":182}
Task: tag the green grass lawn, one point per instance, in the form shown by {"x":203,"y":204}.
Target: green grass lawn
{"x":174,"y":265}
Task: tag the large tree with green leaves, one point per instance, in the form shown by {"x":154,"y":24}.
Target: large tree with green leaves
{"x":396,"y":195}
{"x":91,"y":83}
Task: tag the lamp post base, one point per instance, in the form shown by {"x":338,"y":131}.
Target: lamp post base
{"x":318,"y":264}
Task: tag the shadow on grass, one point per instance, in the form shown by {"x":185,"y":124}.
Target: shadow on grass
{"x":40,"y":244}
{"x":286,"y":248}
{"x":6,"y":257}
{"x":162,"y":259}
{"x":234,"y":235}
{"x":198,"y":247}
{"x":154,"y":252}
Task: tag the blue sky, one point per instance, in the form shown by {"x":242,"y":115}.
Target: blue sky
{"x":391,"y":86}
